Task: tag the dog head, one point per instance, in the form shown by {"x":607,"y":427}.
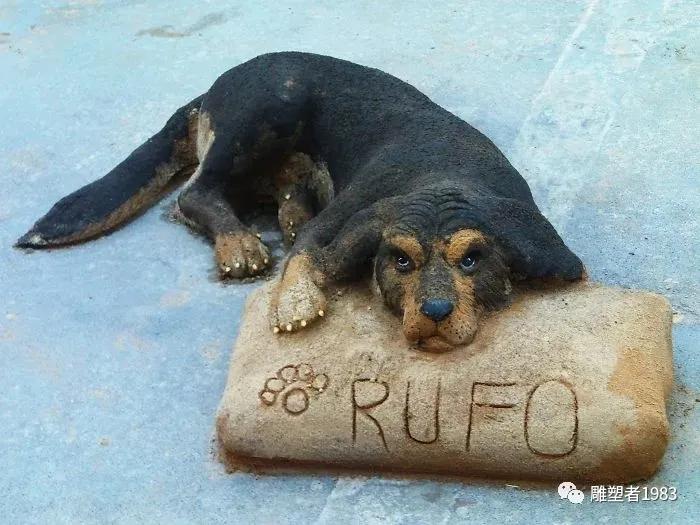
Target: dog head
{"x":445,"y":258}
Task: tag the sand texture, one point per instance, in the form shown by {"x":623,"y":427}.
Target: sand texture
{"x":562,"y":385}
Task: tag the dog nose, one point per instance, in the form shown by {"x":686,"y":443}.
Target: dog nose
{"x":437,"y":309}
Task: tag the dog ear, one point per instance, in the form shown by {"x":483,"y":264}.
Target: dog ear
{"x":531,"y":244}
{"x":351,"y":251}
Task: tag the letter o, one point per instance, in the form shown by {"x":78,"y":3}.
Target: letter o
{"x":551,"y":419}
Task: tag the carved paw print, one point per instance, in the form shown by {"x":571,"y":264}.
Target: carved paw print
{"x":292,"y":385}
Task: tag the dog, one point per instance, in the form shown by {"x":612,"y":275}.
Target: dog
{"x":370,"y":177}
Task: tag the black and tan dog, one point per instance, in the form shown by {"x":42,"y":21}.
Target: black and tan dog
{"x":368,"y":174}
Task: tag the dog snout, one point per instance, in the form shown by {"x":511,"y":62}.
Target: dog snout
{"x":436,"y":309}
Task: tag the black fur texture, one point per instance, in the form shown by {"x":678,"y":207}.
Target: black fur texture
{"x":398,"y":162}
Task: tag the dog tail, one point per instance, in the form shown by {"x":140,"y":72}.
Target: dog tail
{"x":136,"y":183}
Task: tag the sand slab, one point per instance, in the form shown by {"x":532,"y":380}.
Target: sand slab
{"x":566,"y":385}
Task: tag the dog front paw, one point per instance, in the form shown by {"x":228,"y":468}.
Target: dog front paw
{"x":297,"y":300}
{"x":240,"y":254}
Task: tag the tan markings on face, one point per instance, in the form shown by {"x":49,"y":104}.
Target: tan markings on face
{"x":415,"y":325}
{"x":461,"y":325}
{"x":410,"y":246}
{"x":460,"y":242}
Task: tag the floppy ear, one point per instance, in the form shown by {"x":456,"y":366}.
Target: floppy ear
{"x":531,"y":244}
{"x":352,"y":250}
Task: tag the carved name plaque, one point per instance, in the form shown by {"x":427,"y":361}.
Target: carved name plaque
{"x":565,"y":385}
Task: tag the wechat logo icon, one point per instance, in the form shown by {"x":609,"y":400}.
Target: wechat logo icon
{"x":568,"y":490}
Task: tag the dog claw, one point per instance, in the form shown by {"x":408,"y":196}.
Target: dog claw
{"x":303,"y":323}
{"x":266,"y":261}
{"x":276,"y":330}
{"x":254,"y":267}
{"x":287,"y":196}
{"x":289,"y":328}
{"x":321,"y":313}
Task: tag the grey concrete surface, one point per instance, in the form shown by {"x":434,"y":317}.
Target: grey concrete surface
{"x":113,"y":354}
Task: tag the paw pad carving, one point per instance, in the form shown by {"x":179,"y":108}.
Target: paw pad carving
{"x":292,"y":385}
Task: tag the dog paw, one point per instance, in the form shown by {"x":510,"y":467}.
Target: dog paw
{"x":297,"y":299}
{"x":293,"y":386}
{"x":294,"y":212}
{"x":240,"y":254}
{"x":296,"y":305}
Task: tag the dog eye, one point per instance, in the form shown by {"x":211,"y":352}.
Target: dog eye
{"x":403,"y":262}
{"x":470,"y":260}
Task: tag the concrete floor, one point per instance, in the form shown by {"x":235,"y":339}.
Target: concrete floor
{"x":113,"y":355}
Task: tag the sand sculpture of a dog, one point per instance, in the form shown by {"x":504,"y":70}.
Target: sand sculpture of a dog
{"x":370,"y":177}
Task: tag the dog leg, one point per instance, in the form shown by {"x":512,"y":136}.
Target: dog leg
{"x":295,"y":210}
{"x":295,"y":200}
{"x":238,"y":251}
{"x":299,"y":298}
